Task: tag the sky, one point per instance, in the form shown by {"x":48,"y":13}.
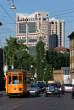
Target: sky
{"x":60,"y":9}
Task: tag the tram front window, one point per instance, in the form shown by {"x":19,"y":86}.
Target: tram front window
{"x":15,"y":80}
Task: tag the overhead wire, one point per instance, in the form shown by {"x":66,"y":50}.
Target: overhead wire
{"x":63,"y":12}
{"x":10,"y":17}
{"x":7,"y":12}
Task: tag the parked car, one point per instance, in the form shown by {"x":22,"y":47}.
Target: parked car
{"x":34,"y":90}
{"x":68,"y":87}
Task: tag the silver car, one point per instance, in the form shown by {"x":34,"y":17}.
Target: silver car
{"x":68,"y":87}
{"x":34,"y":90}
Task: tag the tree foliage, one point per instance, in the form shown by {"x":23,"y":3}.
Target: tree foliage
{"x":17,"y":54}
{"x":48,"y":73}
{"x":40,"y":60}
{"x":57,"y":60}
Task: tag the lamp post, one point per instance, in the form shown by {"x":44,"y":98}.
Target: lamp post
{"x":32,"y":72}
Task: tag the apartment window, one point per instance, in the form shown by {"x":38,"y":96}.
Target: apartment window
{"x":32,"y":40}
{"x":22,"y":41}
{"x":39,"y":14}
{"x":31,"y":27}
{"x":60,"y":29}
{"x":52,"y":22}
{"x":39,"y":18}
{"x":44,"y":19}
{"x":22,"y":28}
{"x":18,"y":18}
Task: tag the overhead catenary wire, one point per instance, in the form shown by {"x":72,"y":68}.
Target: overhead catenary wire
{"x":7,"y":13}
{"x":66,"y":11}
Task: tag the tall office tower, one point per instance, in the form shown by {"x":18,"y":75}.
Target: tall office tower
{"x":32,"y":27}
{"x":53,"y":41}
{"x":57,"y":28}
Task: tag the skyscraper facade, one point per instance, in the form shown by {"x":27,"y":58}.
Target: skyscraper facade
{"x":57,"y":28}
{"x":30,"y":28}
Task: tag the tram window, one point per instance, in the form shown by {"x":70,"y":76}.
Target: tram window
{"x":20,"y":79}
{"x":9,"y":79}
{"x":15,"y":80}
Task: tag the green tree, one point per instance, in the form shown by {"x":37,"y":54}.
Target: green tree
{"x":57,"y":60}
{"x":17,"y":54}
{"x":51,"y":57}
{"x":48,"y":73}
{"x":40,"y":60}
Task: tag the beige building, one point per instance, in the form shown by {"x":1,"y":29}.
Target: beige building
{"x":71,"y":36}
{"x":58,"y":75}
{"x":30,"y":28}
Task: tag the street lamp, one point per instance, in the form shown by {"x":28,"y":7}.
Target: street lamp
{"x":12,"y":5}
{"x":32,"y":72}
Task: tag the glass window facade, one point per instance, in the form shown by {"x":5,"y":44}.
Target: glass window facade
{"x":22,"y":41}
{"x":32,"y":27}
{"x":53,"y":41}
{"x":22,"y":28}
{"x":32,"y":40}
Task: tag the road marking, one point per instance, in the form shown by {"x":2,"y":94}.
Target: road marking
{"x":13,"y":107}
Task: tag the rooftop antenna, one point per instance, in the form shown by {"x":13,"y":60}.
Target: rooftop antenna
{"x":12,"y":5}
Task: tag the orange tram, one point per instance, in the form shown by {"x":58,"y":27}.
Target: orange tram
{"x":17,"y":82}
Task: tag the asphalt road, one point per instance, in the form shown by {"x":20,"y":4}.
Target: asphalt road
{"x":37,"y":103}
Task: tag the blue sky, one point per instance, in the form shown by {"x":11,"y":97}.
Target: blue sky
{"x":60,"y":9}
